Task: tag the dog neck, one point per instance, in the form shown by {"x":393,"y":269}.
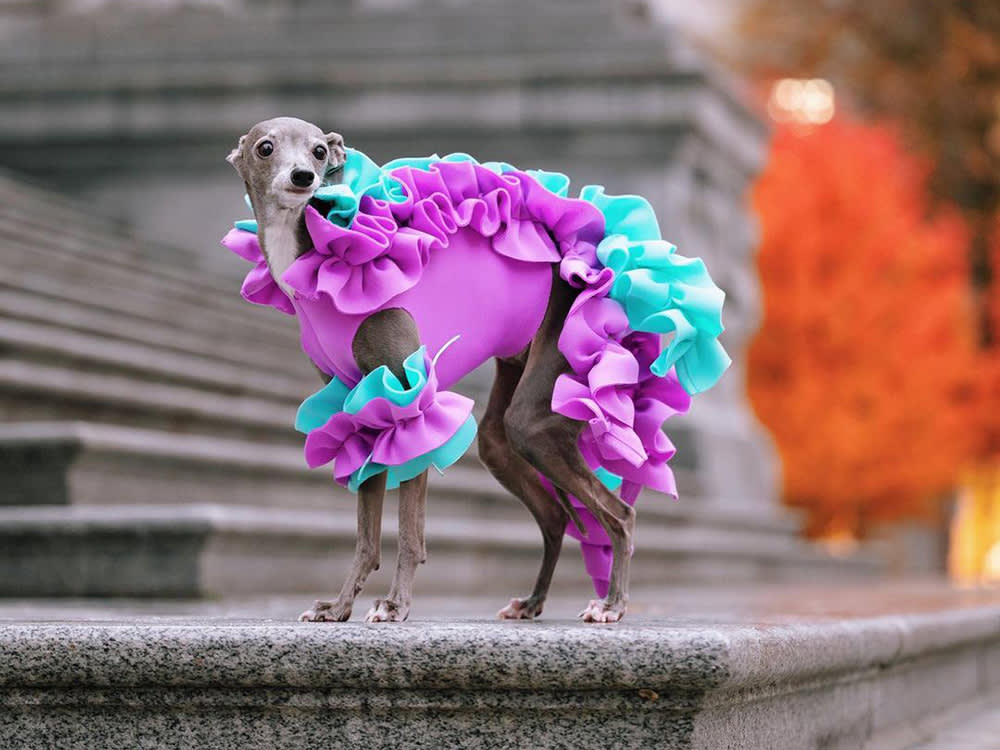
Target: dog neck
{"x":283,"y":238}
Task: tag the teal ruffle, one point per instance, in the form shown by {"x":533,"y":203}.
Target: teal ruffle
{"x":361,"y":176}
{"x":317,"y":409}
{"x":383,"y":383}
{"x":662,"y":292}
{"x":610,"y":480}
{"x":336,"y":397}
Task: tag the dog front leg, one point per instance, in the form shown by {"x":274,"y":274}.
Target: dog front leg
{"x":412,"y":551}
{"x":367,"y":554}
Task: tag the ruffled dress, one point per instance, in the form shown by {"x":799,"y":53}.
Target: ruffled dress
{"x":468,"y":249}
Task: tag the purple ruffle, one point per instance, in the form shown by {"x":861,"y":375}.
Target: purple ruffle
{"x":625,"y":406}
{"x":384,"y":251}
{"x":655,"y":399}
{"x":259,"y":286}
{"x":387,"y":433}
{"x":611,"y":388}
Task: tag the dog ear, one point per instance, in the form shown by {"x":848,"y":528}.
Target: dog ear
{"x":337,"y":154}
{"x":236,"y":155}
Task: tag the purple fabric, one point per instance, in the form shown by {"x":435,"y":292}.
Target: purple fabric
{"x":384,"y":251}
{"x":259,"y":286}
{"x":386,"y":432}
{"x":612,"y":389}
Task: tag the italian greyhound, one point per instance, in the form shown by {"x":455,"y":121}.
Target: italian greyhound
{"x":282,"y":162}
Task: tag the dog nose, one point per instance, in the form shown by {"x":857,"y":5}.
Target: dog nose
{"x":302,"y":178}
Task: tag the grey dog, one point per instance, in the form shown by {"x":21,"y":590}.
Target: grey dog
{"x":282,"y":162}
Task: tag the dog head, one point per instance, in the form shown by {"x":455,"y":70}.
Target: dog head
{"x":283,"y":161}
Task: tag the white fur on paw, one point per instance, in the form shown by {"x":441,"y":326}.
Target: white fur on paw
{"x":520,"y":609}
{"x":599,"y":611}
{"x":384,"y":612}
{"x":325,"y":612}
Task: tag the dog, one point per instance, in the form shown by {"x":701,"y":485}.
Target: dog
{"x":521,"y":440}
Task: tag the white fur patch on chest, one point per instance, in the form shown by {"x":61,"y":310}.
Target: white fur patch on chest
{"x":280,"y":246}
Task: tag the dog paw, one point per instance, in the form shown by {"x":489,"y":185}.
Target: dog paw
{"x":521,"y":609}
{"x":385,"y":611}
{"x":601,"y":611}
{"x":326,"y":612}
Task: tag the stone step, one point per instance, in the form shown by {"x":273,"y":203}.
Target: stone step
{"x":278,"y":356}
{"x":419,"y":73}
{"x":254,"y":335}
{"x":780,"y":669}
{"x":39,"y":341}
{"x":169,"y":468}
{"x":37,"y":391}
{"x":438,"y":105}
{"x":278,"y":351}
{"x":977,"y":727}
{"x":210,"y":550}
{"x":183,"y":298}
{"x":82,"y":464}
{"x":71,"y":227}
{"x":92,"y":469}
{"x":204,"y":550}
{"x":466,"y":484}
{"x":84,"y":239}
{"x":365,"y":34}
{"x":24,"y":198}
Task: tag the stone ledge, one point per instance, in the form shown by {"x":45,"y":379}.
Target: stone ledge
{"x":781,"y":681}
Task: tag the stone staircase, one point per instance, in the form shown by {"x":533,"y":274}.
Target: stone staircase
{"x":105,"y":325}
{"x":146,"y":450}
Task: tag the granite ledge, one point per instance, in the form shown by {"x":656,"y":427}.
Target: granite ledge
{"x":495,"y":656}
{"x":777,"y":668}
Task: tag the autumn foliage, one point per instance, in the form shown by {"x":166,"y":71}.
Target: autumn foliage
{"x":989,"y":445}
{"x":866,"y":368}
{"x":931,"y":66}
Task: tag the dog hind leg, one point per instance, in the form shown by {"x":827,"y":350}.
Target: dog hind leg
{"x":520,"y":479}
{"x":548,"y":441}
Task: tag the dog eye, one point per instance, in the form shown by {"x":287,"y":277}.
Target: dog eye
{"x":319,"y":152}
{"x":265,"y":148}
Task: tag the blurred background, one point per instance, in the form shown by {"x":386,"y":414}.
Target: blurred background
{"x":836,"y":164}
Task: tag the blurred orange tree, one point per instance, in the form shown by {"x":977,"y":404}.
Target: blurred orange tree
{"x":866,"y":368}
{"x":932,"y":66}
